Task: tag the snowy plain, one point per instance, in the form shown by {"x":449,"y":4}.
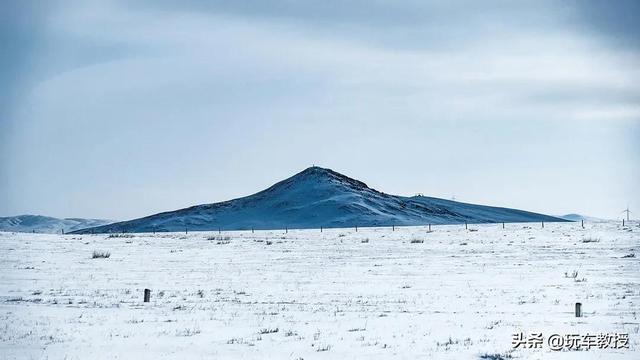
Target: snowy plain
{"x":451,"y":293}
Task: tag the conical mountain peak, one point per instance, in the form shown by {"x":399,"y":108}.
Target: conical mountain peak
{"x":324,"y":176}
{"x":320,"y":197}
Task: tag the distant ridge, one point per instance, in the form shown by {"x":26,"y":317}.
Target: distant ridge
{"x":578,"y":217}
{"x":46,"y":224}
{"x":319,"y":197}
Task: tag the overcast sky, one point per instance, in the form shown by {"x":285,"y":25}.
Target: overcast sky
{"x":110,"y":110}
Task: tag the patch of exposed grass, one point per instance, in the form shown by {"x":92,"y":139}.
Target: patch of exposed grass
{"x":100,"y":254}
{"x":268,"y":331}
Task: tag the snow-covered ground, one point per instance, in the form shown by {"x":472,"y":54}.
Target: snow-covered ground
{"x":336,"y":294}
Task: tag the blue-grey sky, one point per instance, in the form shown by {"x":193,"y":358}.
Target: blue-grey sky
{"x":115,"y":109}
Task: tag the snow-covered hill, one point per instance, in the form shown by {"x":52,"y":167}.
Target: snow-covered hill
{"x":318,"y":197}
{"x":578,"y":217}
{"x":46,"y":224}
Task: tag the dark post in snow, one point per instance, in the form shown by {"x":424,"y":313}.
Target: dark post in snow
{"x":356,"y":229}
{"x":582,"y":223}
{"x":465,"y":226}
{"x":503,"y":225}
{"x":286,"y":230}
{"x":63,"y":229}
{"x":393,"y":228}
{"x":429,"y":227}
{"x":252,"y":230}
{"x":185,"y":230}
{"x":219,"y":231}
{"x":320,"y":228}
{"x":147,"y":295}
{"x":622,"y":222}
{"x":543,"y":224}
{"x":578,"y":309}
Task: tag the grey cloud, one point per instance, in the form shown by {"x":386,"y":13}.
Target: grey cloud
{"x":582,"y":95}
{"x":395,"y":24}
{"x":616,"y":22}
{"x":432,"y":24}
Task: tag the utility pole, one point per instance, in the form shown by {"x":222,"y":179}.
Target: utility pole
{"x":628,"y":212}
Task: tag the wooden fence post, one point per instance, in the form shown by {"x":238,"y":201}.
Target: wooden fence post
{"x":147,"y":295}
{"x":578,"y":310}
